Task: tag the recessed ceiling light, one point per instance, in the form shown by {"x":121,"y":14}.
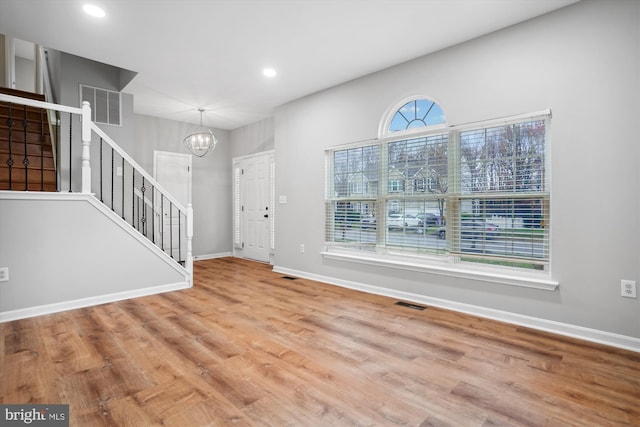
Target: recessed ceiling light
{"x":269,"y":72}
{"x":93,"y":10}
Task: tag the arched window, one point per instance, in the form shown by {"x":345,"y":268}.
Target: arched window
{"x":468,"y":194}
{"x":415,"y":114}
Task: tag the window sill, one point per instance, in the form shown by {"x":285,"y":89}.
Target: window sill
{"x":422,"y":265}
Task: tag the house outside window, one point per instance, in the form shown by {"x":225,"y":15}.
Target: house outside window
{"x":486,"y":205}
{"x":396,"y":185}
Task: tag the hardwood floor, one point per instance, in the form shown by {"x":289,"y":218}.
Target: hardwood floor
{"x":247,"y":347}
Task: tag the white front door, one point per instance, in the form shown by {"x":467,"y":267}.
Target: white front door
{"x":173,"y":172}
{"x":254,"y":213}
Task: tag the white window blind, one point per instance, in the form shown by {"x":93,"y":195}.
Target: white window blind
{"x":478,"y":193}
{"x":351,"y":210}
{"x":503,"y":199}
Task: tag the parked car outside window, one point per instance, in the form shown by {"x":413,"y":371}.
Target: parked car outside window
{"x":427,"y":219}
{"x":473,"y":229}
{"x":396,"y":221}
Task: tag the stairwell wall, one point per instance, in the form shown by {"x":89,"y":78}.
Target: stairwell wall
{"x":54,"y":264}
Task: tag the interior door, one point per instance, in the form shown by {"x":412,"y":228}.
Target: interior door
{"x":256,"y":214}
{"x":173,"y":172}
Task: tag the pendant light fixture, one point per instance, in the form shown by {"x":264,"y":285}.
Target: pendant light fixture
{"x":201,"y":141}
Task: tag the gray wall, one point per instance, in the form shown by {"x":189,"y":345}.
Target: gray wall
{"x":583,"y":63}
{"x":211,"y":189}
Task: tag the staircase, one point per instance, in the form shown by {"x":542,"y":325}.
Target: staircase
{"x":85,"y":160}
{"x":26,"y":149}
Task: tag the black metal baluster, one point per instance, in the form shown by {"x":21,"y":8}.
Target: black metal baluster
{"x":25,"y":161}
{"x":171,"y":228}
{"x":10,"y":159}
{"x":179,"y":236}
{"x":144,"y":209}
{"x":162,"y":222}
{"x":122,"y":208}
{"x":153,"y":215}
{"x":42,"y":149}
{"x":101,"y":171}
{"x":70,"y":150}
{"x":133,"y":197}
{"x":112,"y":179}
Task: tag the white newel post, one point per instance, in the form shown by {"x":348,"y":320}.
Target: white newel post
{"x":189,"y":265}
{"x":86,"y":140}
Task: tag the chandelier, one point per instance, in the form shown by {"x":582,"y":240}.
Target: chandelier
{"x":201,"y":141}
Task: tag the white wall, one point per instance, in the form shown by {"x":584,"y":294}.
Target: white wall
{"x":582,"y":62}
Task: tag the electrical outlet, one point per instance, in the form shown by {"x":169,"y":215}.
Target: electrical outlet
{"x":628,"y":288}
{"x":301,"y":248}
{"x":4,"y":274}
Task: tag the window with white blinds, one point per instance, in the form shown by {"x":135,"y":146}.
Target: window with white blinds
{"x":105,"y":104}
{"x":353,"y":192}
{"x":476,"y":193}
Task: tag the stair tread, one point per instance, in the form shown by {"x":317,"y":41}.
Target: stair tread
{"x":18,"y":152}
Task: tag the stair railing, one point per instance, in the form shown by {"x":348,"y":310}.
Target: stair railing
{"x":48,"y":96}
{"x":127,"y":189}
{"x":111,"y":175}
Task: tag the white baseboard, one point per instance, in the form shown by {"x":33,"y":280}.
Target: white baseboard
{"x":212,"y":256}
{"x":588,"y":334}
{"x":40,"y":310}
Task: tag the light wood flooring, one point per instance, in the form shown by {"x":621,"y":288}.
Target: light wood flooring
{"x":247,"y":347}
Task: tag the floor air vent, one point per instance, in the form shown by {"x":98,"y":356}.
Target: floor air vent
{"x":412,"y":306}
{"x":289,"y":277}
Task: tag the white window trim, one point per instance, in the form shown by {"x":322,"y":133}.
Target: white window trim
{"x":449,"y":265}
{"x":383,"y":130}
{"x":445,"y":267}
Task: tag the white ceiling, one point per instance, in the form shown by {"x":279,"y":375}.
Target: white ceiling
{"x":210,"y":54}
